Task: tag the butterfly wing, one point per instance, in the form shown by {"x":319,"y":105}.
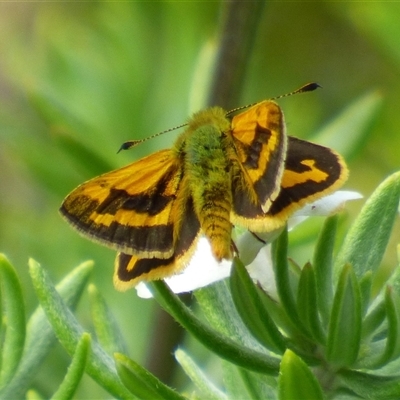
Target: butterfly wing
{"x":310,"y":172}
{"x":129,"y":269}
{"x":260,"y":142}
{"x":129,"y":209}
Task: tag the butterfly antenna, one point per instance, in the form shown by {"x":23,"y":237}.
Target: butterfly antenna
{"x":132,"y":143}
{"x":309,"y":87}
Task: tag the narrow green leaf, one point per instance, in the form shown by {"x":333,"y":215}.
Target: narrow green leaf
{"x":194,"y":372}
{"x":283,"y":285}
{"x":367,"y":238}
{"x":377,"y":311}
{"x":365,"y":290}
{"x":235,"y":387}
{"x":216,"y":304}
{"x":307,"y":303}
{"x":40,"y":335}
{"x":373,"y":320}
{"x":75,"y":371}
{"x":345,"y":323}
{"x":392,"y":350}
{"x":222,"y":345}
{"x":107,"y":331}
{"x":296,"y":381}
{"x":68,"y":331}
{"x":279,"y":315}
{"x":141,"y":382}
{"x":252,"y":311}
{"x":322,"y":263}
{"x":369,"y":386}
{"x":13,"y":316}
{"x":394,"y":280}
{"x":243,"y":384}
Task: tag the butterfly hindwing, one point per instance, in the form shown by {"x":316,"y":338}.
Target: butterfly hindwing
{"x":129,"y":269}
{"x":310,"y":172}
{"x":129,"y":209}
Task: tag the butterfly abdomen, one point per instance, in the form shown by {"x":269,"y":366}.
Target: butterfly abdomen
{"x":207,"y":168}
{"x":214,"y":210}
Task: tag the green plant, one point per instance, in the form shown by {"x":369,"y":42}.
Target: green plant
{"x":326,"y":337}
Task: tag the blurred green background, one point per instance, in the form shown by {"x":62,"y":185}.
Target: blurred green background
{"x":78,"y":79}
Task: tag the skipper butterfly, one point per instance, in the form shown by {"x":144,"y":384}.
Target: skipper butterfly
{"x":222,"y":171}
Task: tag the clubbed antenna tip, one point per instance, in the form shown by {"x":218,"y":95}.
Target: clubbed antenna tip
{"x":128,"y":145}
{"x":309,"y":87}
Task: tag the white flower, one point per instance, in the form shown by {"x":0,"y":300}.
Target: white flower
{"x":204,"y":269}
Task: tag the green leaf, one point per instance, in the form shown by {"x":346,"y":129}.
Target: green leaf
{"x":392,"y":350}
{"x":13,"y":318}
{"x":141,"y":382}
{"x":394,"y":280}
{"x":243,"y":384}
{"x":100,"y":365}
{"x":196,"y":375}
{"x":296,"y":381}
{"x":283,"y":285}
{"x":107,"y":331}
{"x":307,"y":303}
{"x":367,"y":238}
{"x":369,"y":386}
{"x":220,"y":344}
{"x":40,"y":335}
{"x":373,"y":320}
{"x":216,"y":304}
{"x":252,"y":311}
{"x":365,"y":290}
{"x":345,"y":323}
{"x":322,"y":263}
{"x":377,"y":311}
{"x":75,"y":371}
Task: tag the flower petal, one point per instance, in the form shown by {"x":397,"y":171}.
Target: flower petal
{"x":328,"y":205}
{"x":202,"y":270}
{"x":262,"y":272}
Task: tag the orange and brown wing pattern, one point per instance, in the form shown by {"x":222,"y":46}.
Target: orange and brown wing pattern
{"x":311,"y":172}
{"x":129,"y":269}
{"x":260,"y":141}
{"x":129,"y":209}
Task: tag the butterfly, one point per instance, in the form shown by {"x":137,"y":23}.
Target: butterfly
{"x":222,"y":171}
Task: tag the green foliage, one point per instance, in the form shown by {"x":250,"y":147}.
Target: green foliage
{"x":296,"y":381}
{"x":292,"y":347}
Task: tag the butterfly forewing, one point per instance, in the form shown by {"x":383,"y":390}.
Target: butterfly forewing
{"x":129,"y":209}
{"x":260,"y":141}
